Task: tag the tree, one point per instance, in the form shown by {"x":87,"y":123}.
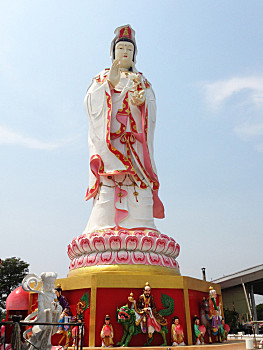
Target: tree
{"x":259,"y":309}
{"x":12,"y":272}
{"x":232,"y":319}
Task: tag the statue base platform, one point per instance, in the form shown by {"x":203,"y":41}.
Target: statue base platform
{"x":110,"y":286}
{"x":232,"y":345}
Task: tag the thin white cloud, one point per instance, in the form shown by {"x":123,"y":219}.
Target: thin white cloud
{"x":9,"y":137}
{"x":248,"y":130}
{"x":236,"y":92}
{"x":218,"y":92}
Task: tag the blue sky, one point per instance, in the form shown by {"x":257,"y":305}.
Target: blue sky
{"x":205,"y":62}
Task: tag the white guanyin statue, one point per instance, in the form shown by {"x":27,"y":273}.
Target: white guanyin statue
{"x":121,"y":110}
{"x":123,"y":182}
{"x":48,"y":309}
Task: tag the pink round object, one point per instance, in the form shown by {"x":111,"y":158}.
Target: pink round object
{"x":179,"y":329}
{"x":226,"y":328}
{"x":18,"y":300}
{"x":107,"y":331}
{"x":202,"y":329}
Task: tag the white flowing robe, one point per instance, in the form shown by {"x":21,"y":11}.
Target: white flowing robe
{"x":123,"y":178}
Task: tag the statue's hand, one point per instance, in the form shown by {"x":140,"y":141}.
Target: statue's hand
{"x":115,"y":73}
{"x":54,"y":305}
{"x":138,"y":98}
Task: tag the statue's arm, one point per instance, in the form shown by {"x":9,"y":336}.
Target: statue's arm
{"x":40,"y":303}
{"x":172,"y":331}
{"x":153,"y":306}
{"x":102,"y":333}
{"x":197,"y":331}
{"x":95,"y":98}
{"x":41,"y":308}
{"x":140,"y":305}
{"x":65,"y":306}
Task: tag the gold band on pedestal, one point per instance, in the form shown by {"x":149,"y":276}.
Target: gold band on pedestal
{"x":123,"y":270}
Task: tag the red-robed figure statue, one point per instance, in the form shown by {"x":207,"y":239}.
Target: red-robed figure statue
{"x":151,"y":320}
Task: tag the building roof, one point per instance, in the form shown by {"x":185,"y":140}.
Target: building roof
{"x":252,"y":275}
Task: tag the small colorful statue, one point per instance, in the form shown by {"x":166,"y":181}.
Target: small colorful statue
{"x":177,"y":332}
{"x":143,"y":317}
{"x":66,"y":312}
{"x":224,"y":330}
{"x":214,"y":312}
{"x":199,"y":332}
{"x":78,"y":332}
{"x":151,"y":320}
{"x":107,"y":334}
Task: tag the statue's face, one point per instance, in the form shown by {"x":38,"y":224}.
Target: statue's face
{"x":147,"y":291}
{"x":124,"y":52}
{"x":49,"y":285}
{"x":176,"y":321}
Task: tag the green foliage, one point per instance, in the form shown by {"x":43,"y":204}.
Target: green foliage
{"x":259,"y":309}
{"x":232,"y":319}
{"x":12,"y":272}
{"x":168,"y":304}
{"x":85,"y":299}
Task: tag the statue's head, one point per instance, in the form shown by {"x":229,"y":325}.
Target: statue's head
{"x":123,"y":46}
{"x":125,"y":315}
{"x":58,"y":291}
{"x":107,"y":319}
{"x":212,"y":292}
{"x":176,"y":320}
{"x":196,"y":320}
{"x":147,"y":290}
{"x":48,"y":279}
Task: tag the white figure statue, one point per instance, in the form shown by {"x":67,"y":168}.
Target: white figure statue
{"x":48,"y":310}
{"x":121,"y":109}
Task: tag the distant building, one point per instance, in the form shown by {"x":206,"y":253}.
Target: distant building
{"x":233,"y":293}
